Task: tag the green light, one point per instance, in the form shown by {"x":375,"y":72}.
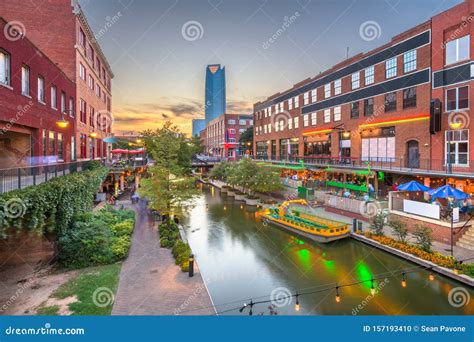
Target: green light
{"x":304,"y":257}
{"x":330,"y":265}
{"x":364,"y":273}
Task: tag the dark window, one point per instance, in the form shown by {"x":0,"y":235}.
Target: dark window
{"x":457,"y":98}
{"x":369,"y":107}
{"x":463,"y":98}
{"x":409,"y":98}
{"x":355,"y":109}
{"x":390,"y":102}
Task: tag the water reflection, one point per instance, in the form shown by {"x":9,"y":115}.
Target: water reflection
{"x":242,"y":259}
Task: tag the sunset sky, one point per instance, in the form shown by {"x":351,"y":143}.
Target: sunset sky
{"x":160,"y":68}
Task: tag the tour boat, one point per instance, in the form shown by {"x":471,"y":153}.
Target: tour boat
{"x":296,"y":216}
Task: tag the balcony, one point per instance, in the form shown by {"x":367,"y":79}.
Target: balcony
{"x":432,"y":167}
{"x":22,"y":177}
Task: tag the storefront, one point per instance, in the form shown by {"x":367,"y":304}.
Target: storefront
{"x":289,"y":148}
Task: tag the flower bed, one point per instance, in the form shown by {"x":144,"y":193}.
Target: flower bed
{"x":434,"y":257}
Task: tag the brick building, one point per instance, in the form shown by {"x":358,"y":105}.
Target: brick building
{"x":77,"y":52}
{"x":377,"y":107}
{"x":34,"y":95}
{"x":221,"y":137}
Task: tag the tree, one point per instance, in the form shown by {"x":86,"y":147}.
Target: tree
{"x":220,"y":171}
{"x":245,"y":171}
{"x":246,"y":139}
{"x":399,"y":229}
{"x":423,"y":237}
{"x":169,"y":185}
{"x":266,"y":180}
{"x":377,"y":223}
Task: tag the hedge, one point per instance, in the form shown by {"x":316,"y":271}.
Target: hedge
{"x":50,"y":206}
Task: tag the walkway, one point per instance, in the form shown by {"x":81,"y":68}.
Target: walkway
{"x":150,"y":282}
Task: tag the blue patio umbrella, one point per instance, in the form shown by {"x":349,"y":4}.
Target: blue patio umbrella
{"x":448,"y":191}
{"x":110,"y":140}
{"x":413,"y":186}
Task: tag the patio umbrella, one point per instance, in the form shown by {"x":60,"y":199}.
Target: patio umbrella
{"x":448,"y":191}
{"x":413,"y":186}
{"x":118,"y":150}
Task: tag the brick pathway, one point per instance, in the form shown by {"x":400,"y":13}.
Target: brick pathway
{"x":150,"y":282}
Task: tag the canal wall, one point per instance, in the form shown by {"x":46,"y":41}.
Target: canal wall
{"x":429,"y":265}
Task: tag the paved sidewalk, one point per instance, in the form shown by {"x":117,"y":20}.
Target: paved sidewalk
{"x":150,"y":282}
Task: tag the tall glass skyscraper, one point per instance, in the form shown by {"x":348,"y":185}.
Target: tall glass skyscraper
{"x":215,"y":91}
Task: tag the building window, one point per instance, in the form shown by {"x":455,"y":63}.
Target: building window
{"x":327,"y":115}
{"x":231,"y":122}
{"x":369,"y":106}
{"x":457,"y":98}
{"x":297,"y":101}
{"x":355,"y":110}
{"x":409,"y":61}
{"x":391,"y":68}
{"x":91,"y":116}
{"x":25,"y":80}
{"x":4,"y":68}
{"x":297,"y":121}
{"x":83,"y":106}
{"x":63,"y":102}
{"x":52,"y":143}
{"x":60,"y":147}
{"x":54,"y":103}
{"x":390,"y":102}
{"x":71,"y":106}
{"x":98,"y":91}
{"x":314,"y":96}
{"x":369,"y":75}
{"x":40,"y":89}
{"x":409,"y":97}
{"x":355,"y":78}
{"x":457,"y":50}
{"x":306,"y":98}
{"x":305,"y":120}
{"x":290,"y":104}
{"x":378,"y":149}
{"x":457,"y":147}
{"x":337,"y":113}
{"x":313,"y":119}
{"x":73,"y":148}
{"x":327,"y":90}
{"x":82,"y":72}
{"x":91,"y":82}
{"x":242,"y":122}
{"x":281,"y":107}
{"x":337,"y":87}
{"x":82,"y":38}
{"x":276,"y":108}
{"x":45,"y":143}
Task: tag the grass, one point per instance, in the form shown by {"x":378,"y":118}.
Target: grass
{"x":93,"y":288}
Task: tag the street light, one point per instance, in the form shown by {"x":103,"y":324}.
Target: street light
{"x":62,"y":123}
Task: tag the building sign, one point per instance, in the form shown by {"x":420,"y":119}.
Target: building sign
{"x":455,"y":215}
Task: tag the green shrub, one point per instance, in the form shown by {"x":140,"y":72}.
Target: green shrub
{"x":423,"y":237}
{"x":96,"y":238}
{"x":399,"y":229}
{"x":120,"y":247}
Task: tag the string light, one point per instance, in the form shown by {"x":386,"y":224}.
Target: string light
{"x":431,"y":276}
{"x":404,"y":282}
{"x":297,"y":304}
{"x":338,"y":297}
{"x":225,"y":208}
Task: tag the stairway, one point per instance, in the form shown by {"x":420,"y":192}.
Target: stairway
{"x":467,"y":239}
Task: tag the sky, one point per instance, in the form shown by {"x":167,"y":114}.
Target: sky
{"x":159,"y":49}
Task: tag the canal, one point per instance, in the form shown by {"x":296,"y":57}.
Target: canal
{"x":241,"y":258}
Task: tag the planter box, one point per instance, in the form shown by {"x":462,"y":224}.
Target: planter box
{"x":251,"y":201}
{"x":239,"y":197}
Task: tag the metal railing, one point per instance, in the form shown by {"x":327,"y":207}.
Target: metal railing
{"x":22,"y":177}
{"x":434,"y":166}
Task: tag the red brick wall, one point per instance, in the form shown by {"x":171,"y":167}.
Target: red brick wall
{"x":19,"y":113}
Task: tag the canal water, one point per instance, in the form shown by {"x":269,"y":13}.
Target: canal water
{"x":241,"y":258}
